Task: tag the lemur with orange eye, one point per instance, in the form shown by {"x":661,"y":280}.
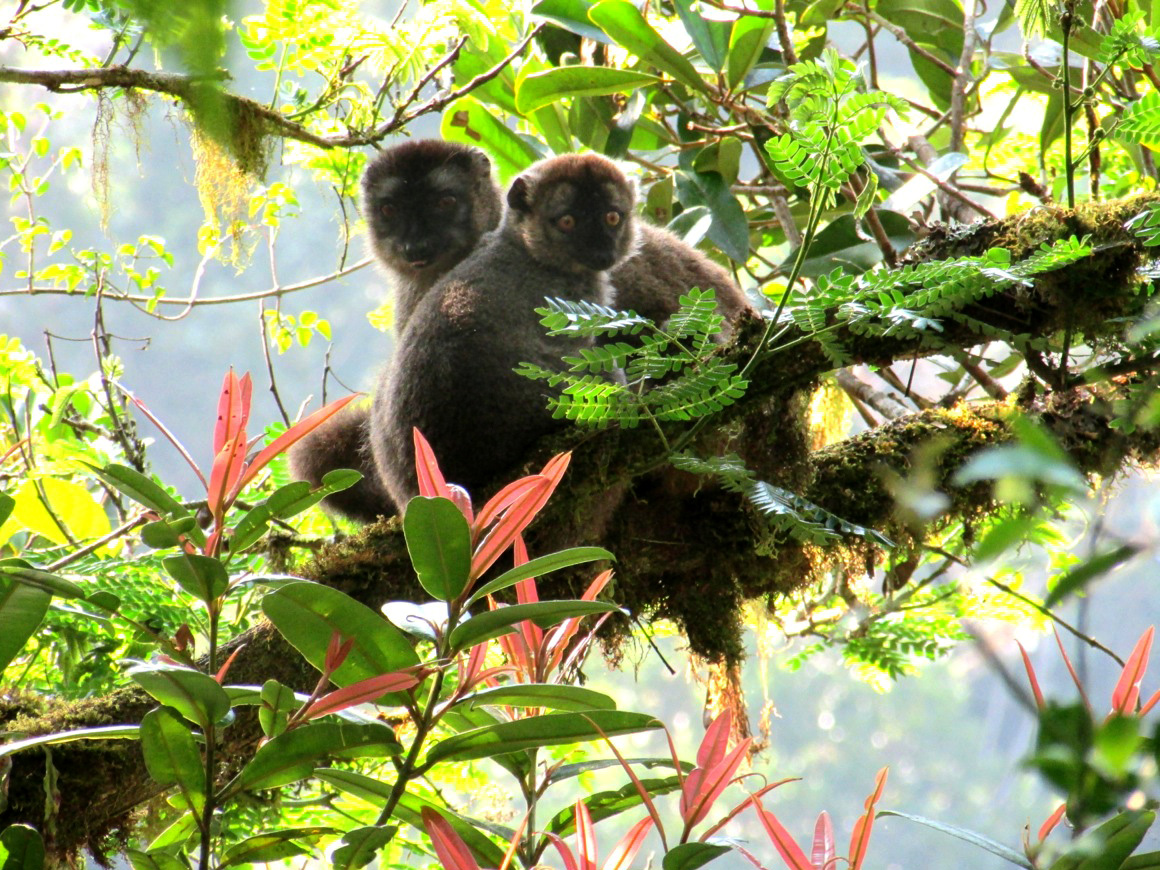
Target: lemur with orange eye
{"x":569,"y":220}
{"x":427,"y":203}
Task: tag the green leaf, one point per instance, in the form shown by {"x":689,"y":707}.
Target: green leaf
{"x":274,"y":846}
{"x":172,"y":756}
{"x":1090,"y":569}
{"x":360,"y":846}
{"x":628,"y":28}
{"x":571,"y":15}
{"x":194,"y":695}
{"x":139,"y":860}
{"x":1143,"y":861}
{"x":543,"y":88}
{"x":439,"y":543}
{"x":540,"y":566}
{"x":730,"y":228}
{"x":545,"y":614}
{"x":605,"y":804}
{"x":551,"y":729}
{"x":22,"y":608}
{"x":102,"y":732}
{"x":201,"y":576}
{"x":140,"y":488}
{"x":163,"y":534}
{"x":964,"y":834}
{"x":689,"y":856}
{"x":277,"y":702}
{"x":711,"y":38}
{"x":292,"y":756}
{"x":7,"y":502}
{"x":21,"y":848}
{"x":307,"y":614}
{"x":469,"y":121}
{"x":288,"y":501}
{"x":556,"y":697}
{"x":747,"y":41}
{"x":376,"y":792}
{"x":24,"y":573}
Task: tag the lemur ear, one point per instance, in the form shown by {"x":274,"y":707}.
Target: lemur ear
{"x":519,"y":195}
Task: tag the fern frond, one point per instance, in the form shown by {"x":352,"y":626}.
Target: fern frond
{"x":587,"y":319}
{"x":708,"y":388}
{"x":1146,"y":225}
{"x":805,"y":520}
{"x":730,"y":469}
{"x":597,"y":401}
{"x":601,"y":358}
{"x":1141,"y":120}
{"x":1032,"y":15}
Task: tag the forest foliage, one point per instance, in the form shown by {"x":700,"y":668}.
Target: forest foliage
{"x":945,"y":213}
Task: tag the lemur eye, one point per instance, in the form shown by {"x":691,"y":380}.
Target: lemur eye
{"x":612,"y":218}
{"x":387,"y":210}
{"x":447,"y":202}
{"x":566,"y":223}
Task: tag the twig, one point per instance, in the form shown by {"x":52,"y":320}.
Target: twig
{"x":76,"y":555}
{"x":217,"y":300}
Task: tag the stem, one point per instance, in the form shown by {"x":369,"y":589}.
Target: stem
{"x":410,"y":764}
{"x":207,"y":815}
{"x":1068,"y":106}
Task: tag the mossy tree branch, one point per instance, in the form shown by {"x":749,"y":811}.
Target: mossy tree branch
{"x":693,"y":556}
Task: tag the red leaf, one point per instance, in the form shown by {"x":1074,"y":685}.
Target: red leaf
{"x":295,"y":433}
{"x":514,"y":520}
{"x":585,"y":836}
{"x":220,"y":676}
{"x":501,"y":501}
{"x":452,"y":851}
{"x":1071,"y":669}
{"x":362,"y":691}
{"x":715,"y":743}
{"x":790,"y":851}
{"x":1150,"y":703}
{"x":628,"y":845}
{"x":716,"y":779}
{"x":823,"y":853}
{"x":337,"y":651}
{"x":430,"y":478}
{"x":1035,"y":690}
{"x":565,"y":853}
{"x":737,"y":810}
{"x":233,"y":410}
{"x":1049,"y":825}
{"x":1127,"y":690}
{"x":860,"y":838}
{"x":227,"y":470}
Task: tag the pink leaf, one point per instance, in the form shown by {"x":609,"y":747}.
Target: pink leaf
{"x":514,"y":520}
{"x":737,"y":810}
{"x":233,"y":410}
{"x":565,"y":853}
{"x":362,"y":691}
{"x":295,"y":433}
{"x":220,"y":676}
{"x":627,"y":847}
{"x":226,"y":471}
{"x":430,"y":478}
{"x":337,"y":651}
{"x":791,"y":853}
{"x":860,"y":838}
{"x":1035,"y":690}
{"x":715,"y":743}
{"x":585,"y":836}
{"x":452,"y":851}
{"x":1049,"y":825}
{"x":823,"y":853}
{"x":501,"y":501}
{"x":1150,"y":703}
{"x":715,"y":781}
{"x":1127,"y":691}
{"x":1071,"y":669}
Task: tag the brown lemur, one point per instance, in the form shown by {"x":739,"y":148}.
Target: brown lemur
{"x":426,"y":203}
{"x":569,"y":220}
{"x":407,"y":200}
